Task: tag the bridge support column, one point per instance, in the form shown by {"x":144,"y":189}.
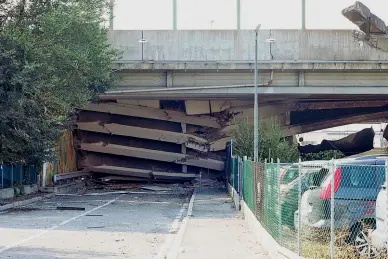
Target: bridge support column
{"x":183,"y":150}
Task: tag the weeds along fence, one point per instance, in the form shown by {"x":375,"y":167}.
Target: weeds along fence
{"x":13,"y":175}
{"x":318,"y":209}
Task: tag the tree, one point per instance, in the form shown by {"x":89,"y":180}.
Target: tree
{"x":271,"y":143}
{"x":55,"y":57}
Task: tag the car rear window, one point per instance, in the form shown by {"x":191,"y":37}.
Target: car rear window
{"x":291,"y":174}
{"x":358,"y":177}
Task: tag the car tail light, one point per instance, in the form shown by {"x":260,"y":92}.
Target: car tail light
{"x":283,"y":173}
{"x":326,"y":190}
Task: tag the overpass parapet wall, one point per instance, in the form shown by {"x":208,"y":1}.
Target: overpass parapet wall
{"x":237,"y":46}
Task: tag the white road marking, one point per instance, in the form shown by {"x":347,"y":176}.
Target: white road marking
{"x":56,"y":226}
{"x":174,"y":229}
{"x":173,"y":253}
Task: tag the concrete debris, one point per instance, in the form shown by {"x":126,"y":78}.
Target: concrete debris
{"x":96,"y":226}
{"x":70,"y":208}
{"x":155,"y":188}
{"x":361,"y":16}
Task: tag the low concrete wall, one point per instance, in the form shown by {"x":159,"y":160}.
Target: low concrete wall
{"x":235,"y":196}
{"x":272,"y":247}
{"x":10,"y":192}
{"x":265,"y":239}
{"x":28,"y":189}
{"x":6,"y":193}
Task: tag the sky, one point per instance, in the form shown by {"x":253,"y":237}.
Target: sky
{"x":222,"y":14}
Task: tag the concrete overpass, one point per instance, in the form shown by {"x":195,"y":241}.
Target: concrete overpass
{"x":318,"y":75}
{"x":179,"y":91}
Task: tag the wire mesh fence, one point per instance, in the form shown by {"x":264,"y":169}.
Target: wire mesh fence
{"x":12,"y":175}
{"x":321,"y":209}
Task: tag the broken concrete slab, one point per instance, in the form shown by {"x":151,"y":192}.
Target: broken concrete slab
{"x":152,"y":113}
{"x":192,"y":141}
{"x":147,"y":174}
{"x":194,"y":107}
{"x":361,"y":15}
{"x":153,"y":155}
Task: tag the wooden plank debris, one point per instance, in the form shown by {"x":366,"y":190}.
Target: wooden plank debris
{"x":153,"y":155}
{"x":152,"y":113}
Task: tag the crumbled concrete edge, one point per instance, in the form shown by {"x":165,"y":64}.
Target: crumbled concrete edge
{"x":271,"y":246}
{"x":25,"y":202}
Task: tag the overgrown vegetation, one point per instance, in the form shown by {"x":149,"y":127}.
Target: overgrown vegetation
{"x":54,"y":57}
{"x":271,"y":143}
{"x":323,"y":155}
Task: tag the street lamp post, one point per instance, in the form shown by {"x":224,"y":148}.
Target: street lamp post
{"x":256,"y":105}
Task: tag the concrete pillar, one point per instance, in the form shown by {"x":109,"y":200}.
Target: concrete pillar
{"x":174,"y":15}
{"x":183,"y":148}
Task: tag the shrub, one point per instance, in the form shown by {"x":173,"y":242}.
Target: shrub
{"x":271,"y":143}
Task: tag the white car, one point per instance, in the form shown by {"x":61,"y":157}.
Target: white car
{"x":379,"y":237}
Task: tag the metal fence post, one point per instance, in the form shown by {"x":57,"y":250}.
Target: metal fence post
{"x":299,"y":205}
{"x":242,"y":183}
{"x":279,"y":203}
{"x":332,"y":169}
{"x":386,"y":198}
{"x":12,"y":175}
{"x":2,"y":176}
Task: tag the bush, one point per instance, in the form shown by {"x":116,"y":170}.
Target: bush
{"x":323,"y":155}
{"x":271,"y":143}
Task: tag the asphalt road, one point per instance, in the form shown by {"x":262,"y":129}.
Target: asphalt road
{"x":112,"y":226}
{"x":153,"y":226}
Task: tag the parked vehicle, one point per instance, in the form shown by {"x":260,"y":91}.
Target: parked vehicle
{"x":379,"y":237}
{"x":356,"y":186}
{"x":311,"y":174}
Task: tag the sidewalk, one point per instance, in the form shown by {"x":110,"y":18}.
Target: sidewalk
{"x":216,"y":230}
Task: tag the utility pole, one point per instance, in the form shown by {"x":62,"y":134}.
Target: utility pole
{"x":111,"y":14}
{"x":238,"y":14}
{"x":256,"y":104}
{"x":174,"y":15}
{"x":303,"y":14}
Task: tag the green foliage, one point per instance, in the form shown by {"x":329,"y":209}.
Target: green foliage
{"x":271,"y":143}
{"x":54,"y":57}
{"x":323,"y":155}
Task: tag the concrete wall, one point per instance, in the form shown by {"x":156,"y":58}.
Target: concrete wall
{"x":140,"y":80}
{"x":238,"y":45}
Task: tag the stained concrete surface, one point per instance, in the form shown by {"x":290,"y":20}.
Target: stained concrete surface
{"x":216,"y":230}
{"x":130,"y":226}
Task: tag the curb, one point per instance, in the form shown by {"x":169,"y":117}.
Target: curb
{"x":25,"y":202}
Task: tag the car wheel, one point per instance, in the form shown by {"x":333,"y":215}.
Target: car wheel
{"x":363,"y":244}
